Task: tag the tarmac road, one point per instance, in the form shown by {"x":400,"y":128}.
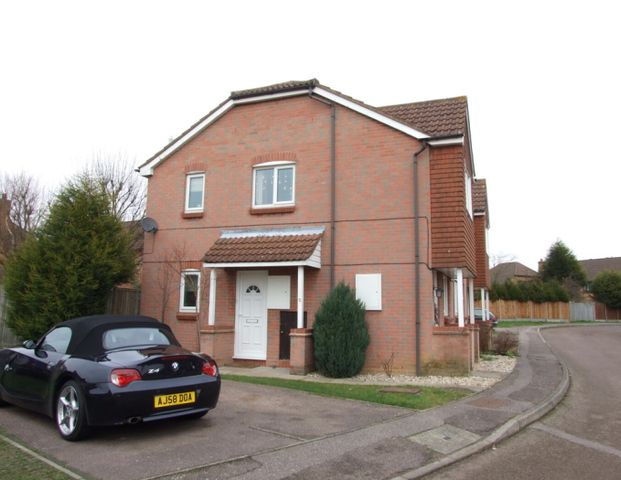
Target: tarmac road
{"x":581,"y":438}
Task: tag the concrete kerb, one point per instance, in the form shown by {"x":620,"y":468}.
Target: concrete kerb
{"x":506,"y":430}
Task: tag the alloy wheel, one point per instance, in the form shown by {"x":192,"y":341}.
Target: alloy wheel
{"x":67,"y":410}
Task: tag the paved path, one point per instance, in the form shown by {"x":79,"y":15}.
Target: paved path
{"x":579,"y":439}
{"x":264,"y":433}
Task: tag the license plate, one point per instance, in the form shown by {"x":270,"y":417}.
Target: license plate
{"x":183,"y":398}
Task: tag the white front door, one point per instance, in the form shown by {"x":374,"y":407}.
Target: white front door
{"x":251,"y":315}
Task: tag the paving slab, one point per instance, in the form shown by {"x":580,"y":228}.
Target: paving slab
{"x":445,"y":439}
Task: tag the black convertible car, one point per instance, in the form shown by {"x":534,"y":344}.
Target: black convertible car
{"x":108,"y":370}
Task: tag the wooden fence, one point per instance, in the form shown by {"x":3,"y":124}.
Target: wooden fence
{"x":124,"y":301}
{"x":602,"y":312}
{"x":510,"y":309}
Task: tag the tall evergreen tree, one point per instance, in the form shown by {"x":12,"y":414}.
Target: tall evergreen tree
{"x":561,"y":264}
{"x":340,"y":334}
{"x":69,"y":266}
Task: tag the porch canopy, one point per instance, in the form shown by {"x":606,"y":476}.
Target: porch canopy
{"x":265,"y":247}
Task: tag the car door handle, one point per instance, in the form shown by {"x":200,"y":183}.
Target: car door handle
{"x":7,"y":368}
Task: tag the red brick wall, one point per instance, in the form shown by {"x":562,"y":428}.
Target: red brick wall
{"x":452,"y":228}
{"x":374,"y":210}
{"x":483,"y":278}
{"x":455,"y":350}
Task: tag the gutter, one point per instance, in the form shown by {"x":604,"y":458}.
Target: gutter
{"x":417,"y":257}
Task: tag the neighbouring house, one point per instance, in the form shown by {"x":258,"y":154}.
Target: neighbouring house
{"x":7,"y":241}
{"x":280,"y":192}
{"x":592,"y":267}
{"x":11,"y":235}
{"x":514,"y":271}
{"x":124,"y":299}
{"x":481,"y":228}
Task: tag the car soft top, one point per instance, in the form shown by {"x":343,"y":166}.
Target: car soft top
{"x":86,"y":338}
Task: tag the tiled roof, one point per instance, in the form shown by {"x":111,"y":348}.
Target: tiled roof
{"x":510,"y":270}
{"x":479,"y":196}
{"x":437,"y":118}
{"x":276,"y":88}
{"x":594,"y":266}
{"x":262,"y":248}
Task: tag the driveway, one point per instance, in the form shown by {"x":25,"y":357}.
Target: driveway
{"x":249,"y":420}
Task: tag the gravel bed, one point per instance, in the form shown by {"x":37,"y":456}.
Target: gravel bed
{"x":491,"y":372}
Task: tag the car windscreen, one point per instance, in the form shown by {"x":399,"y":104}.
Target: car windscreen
{"x":134,"y":337}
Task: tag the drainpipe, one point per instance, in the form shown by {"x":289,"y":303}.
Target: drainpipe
{"x":417,"y":257}
{"x":332,"y":195}
{"x":332,"y":184}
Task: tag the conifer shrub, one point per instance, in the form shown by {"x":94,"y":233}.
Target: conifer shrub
{"x":68,"y":267}
{"x":340,"y":334}
{"x":533,"y":290}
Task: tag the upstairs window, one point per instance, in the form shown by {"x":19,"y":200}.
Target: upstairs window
{"x":273,"y":185}
{"x":190,"y":287}
{"x":194,"y":192}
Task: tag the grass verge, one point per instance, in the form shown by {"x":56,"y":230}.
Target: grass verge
{"x":536,"y":323}
{"x":427,"y":398}
{"x":15,"y":463}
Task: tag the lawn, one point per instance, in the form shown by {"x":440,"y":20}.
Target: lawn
{"x":427,"y":398}
{"x":17,"y":464}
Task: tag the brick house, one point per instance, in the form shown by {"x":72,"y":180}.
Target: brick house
{"x":282,"y":191}
{"x":481,"y":227}
{"x":514,"y":271}
{"x":594,"y":266}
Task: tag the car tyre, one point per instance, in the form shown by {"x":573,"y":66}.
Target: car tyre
{"x":70,"y":412}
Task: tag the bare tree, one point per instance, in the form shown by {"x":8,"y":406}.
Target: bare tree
{"x":169,"y":275}
{"x":501,"y":257}
{"x":28,"y":205}
{"x":124,"y":187}
{"x":169,"y":271}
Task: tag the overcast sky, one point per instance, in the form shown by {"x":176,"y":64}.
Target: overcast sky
{"x":542,"y":78}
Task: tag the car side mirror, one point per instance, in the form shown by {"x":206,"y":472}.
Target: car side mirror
{"x":29,"y":344}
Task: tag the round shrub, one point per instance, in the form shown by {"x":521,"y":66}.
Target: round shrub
{"x":607,"y":288}
{"x":340,"y":334}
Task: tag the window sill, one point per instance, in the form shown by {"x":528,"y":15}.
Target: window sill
{"x":192,"y":215}
{"x":187,"y":316}
{"x":268,"y":210}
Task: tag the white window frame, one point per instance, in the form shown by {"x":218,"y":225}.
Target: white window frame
{"x":182,"y":307}
{"x":468,"y":183}
{"x":188,"y":179}
{"x":274,"y":166}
